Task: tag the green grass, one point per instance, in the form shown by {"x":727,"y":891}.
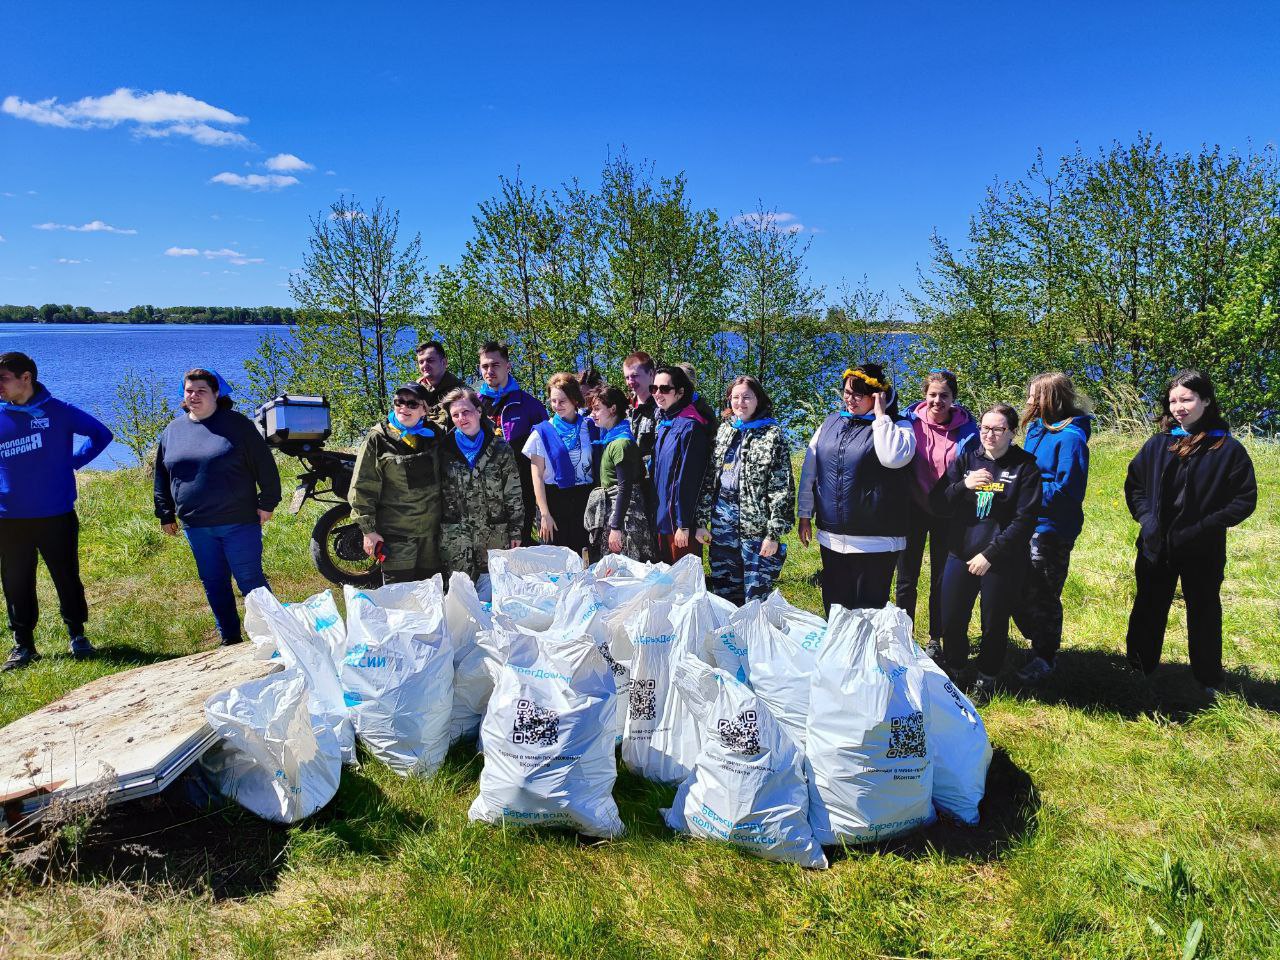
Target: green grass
{"x":1118,"y":815}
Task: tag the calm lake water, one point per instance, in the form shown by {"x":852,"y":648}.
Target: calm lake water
{"x":79,"y":362}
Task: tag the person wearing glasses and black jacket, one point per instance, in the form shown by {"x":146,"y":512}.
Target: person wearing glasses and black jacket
{"x":992,"y":496}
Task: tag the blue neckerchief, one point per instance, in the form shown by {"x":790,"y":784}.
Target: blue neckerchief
{"x":492,"y":394}
{"x":418,"y":430}
{"x":30,"y":409}
{"x":868,"y":417}
{"x":753,"y":424}
{"x":619,"y":431}
{"x":567,"y":432}
{"x":469,"y":447}
{"x":1179,"y":432}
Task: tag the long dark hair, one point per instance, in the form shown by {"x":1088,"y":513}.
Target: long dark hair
{"x":1212,"y":418}
{"x":680,"y":380}
{"x":764,"y":405}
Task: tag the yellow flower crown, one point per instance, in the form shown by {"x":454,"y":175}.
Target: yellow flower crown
{"x":865,"y":378}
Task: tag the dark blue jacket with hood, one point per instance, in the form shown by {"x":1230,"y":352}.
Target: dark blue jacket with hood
{"x":1062,"y":453}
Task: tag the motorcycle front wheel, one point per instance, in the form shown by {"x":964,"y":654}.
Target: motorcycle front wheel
{"x":337,"y":550}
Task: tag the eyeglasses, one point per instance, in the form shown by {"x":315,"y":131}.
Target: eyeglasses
{"x":994,"y":431}
{"x":407,"y":404}
{"x":663,"y":388}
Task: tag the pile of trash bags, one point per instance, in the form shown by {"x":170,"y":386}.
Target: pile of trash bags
{"x":783,"y":732}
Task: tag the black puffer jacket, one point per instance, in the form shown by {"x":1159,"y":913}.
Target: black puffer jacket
{"x":1185,"y":504}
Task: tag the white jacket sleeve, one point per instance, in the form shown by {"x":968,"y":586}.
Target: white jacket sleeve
{"x":895,"y":443}
{"x":808,"y":478}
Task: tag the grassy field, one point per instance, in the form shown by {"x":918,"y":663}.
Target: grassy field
{"x":1121,"y":818}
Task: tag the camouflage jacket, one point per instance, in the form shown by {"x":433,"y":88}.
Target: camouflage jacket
{"x":644,"y":427}
{"x":395,"y":490}
{"x":766,"y":483}
{"x":483,"y":507}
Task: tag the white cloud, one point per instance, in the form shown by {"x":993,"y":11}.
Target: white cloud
{"x":182,"y":252}
{"x":347,"y":215}
{"x":826,"y":160}
{"x":93,"y":226}
{"x":287,"y":163}
{"x":8,"y":194}
{"x":778,"y":221}
{"x":2,"y":239}
{"x":152,"y":114}
{"x":331,"y":173}
{"x":231,"y":256}
{"x":67,"y":260}
{"x":255,"y":181}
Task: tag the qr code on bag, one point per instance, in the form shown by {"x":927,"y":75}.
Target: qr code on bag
{"x":535,"y":725}
{"x":644,"y":699}
{"x":615,"y":667}
{"x":906,"y":737}
{"x":741,"y":735}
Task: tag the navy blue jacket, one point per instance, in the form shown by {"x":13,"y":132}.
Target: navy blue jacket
{"x":1062,"y":454}
{"x":856,"y":494}
{"x":562,"y":472}
{"x":679,"y":461}
{"x":214,"y":471}
{"x":38,"y":455}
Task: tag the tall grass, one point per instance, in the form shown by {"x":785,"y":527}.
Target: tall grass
{"x":1123,"y":819}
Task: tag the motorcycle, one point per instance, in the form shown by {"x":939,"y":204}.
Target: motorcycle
{"x":298,"y":426}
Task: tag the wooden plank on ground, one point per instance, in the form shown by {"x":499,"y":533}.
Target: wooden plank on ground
{"x":129,"y":733}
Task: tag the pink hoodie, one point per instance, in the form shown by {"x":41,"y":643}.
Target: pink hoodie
{"x":935,"y":446}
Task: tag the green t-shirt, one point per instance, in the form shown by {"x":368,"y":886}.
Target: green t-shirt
{"x":620,"y":460}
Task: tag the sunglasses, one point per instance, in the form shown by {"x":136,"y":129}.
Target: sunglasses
{"x":663,"y":388}
{"x":407,"y":404}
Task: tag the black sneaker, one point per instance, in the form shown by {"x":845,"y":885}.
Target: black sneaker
{"x":983,"y":689}
{"x":230,"y":641}
{"x":20,"y":657}
{"x":81,"y":648}
{"x":933,"y":650}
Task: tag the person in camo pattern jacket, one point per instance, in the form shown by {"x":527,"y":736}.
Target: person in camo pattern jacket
{"x":748,"y":497}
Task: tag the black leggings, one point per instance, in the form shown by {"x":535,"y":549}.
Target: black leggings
{"x":1201,"y":575}
{"x":911,"y":559}
{"x":57,"y":540}
{"x":999,"y":588}
{"x":569,"y":509}
{"x":856,"y":580}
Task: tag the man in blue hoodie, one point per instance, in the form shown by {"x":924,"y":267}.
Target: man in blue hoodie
{"x":38,"y":463}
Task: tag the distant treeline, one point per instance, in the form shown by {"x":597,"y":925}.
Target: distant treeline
{"x":144,"y":313}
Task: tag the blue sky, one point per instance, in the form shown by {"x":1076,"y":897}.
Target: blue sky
{"x":870,"y":124}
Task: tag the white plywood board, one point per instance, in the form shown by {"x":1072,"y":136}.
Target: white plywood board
{"x":130,"y":733}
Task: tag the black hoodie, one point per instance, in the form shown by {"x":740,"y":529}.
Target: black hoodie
{"x":999,"y":526}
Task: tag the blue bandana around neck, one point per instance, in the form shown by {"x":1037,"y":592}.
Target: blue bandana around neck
{"x":418,"y":430}
{"x":31,"y":409}
{"x":740,"y":424}
{"x":492,"y":394}
{"x":619,"y":431}
{"x":866,"y":417}
{"x":1179,"y":432}
{"x":469,"y":447}
{"x":567,"y":432}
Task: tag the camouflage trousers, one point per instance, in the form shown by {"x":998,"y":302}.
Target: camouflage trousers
{"x":738,"y":572}
{"x":1038,"y":610}
{"x":638,"y":538}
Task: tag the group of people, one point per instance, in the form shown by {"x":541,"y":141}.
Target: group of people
{"x":653,"y":472}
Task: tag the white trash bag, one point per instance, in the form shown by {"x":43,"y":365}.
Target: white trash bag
{"x":660,"y":740}
{"x":527,"y":582}
{"x":420,"y":596}
{"x":468,"y":619}
{"x":867,"y":738}
{"x":957,"y":735}
{"x":272,"y":760}
{"x":318,"y":613}
{"x":780,"y":668}
{"x":727,"y":645}
{"x":747,"y":787}
{"x":397,"y":679}
{"x":804,"y":628}
{"x":307,"y":649}
{"x":548,"y":738}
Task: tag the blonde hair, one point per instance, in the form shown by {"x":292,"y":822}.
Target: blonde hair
{"x":1052,"y":397}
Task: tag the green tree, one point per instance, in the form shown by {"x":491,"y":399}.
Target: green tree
{"x":140,"y":409}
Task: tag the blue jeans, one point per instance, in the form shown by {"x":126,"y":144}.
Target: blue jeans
{"x":221,"y":552}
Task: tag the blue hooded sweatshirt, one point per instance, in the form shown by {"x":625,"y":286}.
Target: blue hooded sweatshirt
{"x":39,"y":457}
{"x":1062,"y":454}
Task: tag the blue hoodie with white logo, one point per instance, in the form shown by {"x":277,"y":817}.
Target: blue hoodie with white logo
{"x":1062,"y":454}
{"x":39,"y":456}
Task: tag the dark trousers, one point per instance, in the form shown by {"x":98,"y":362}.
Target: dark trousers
{"x":856,"y":580}
{"x":998,"y":588}
{"x":569,"y":511}
{"x":1038,"y":610}
{"x":1201,"y":575}
{"x":222,"y":552}
{"x":525,"y":469}
{"x":57,"y":540}
{"x":738,"y":572}
{"x":923,"y":525}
